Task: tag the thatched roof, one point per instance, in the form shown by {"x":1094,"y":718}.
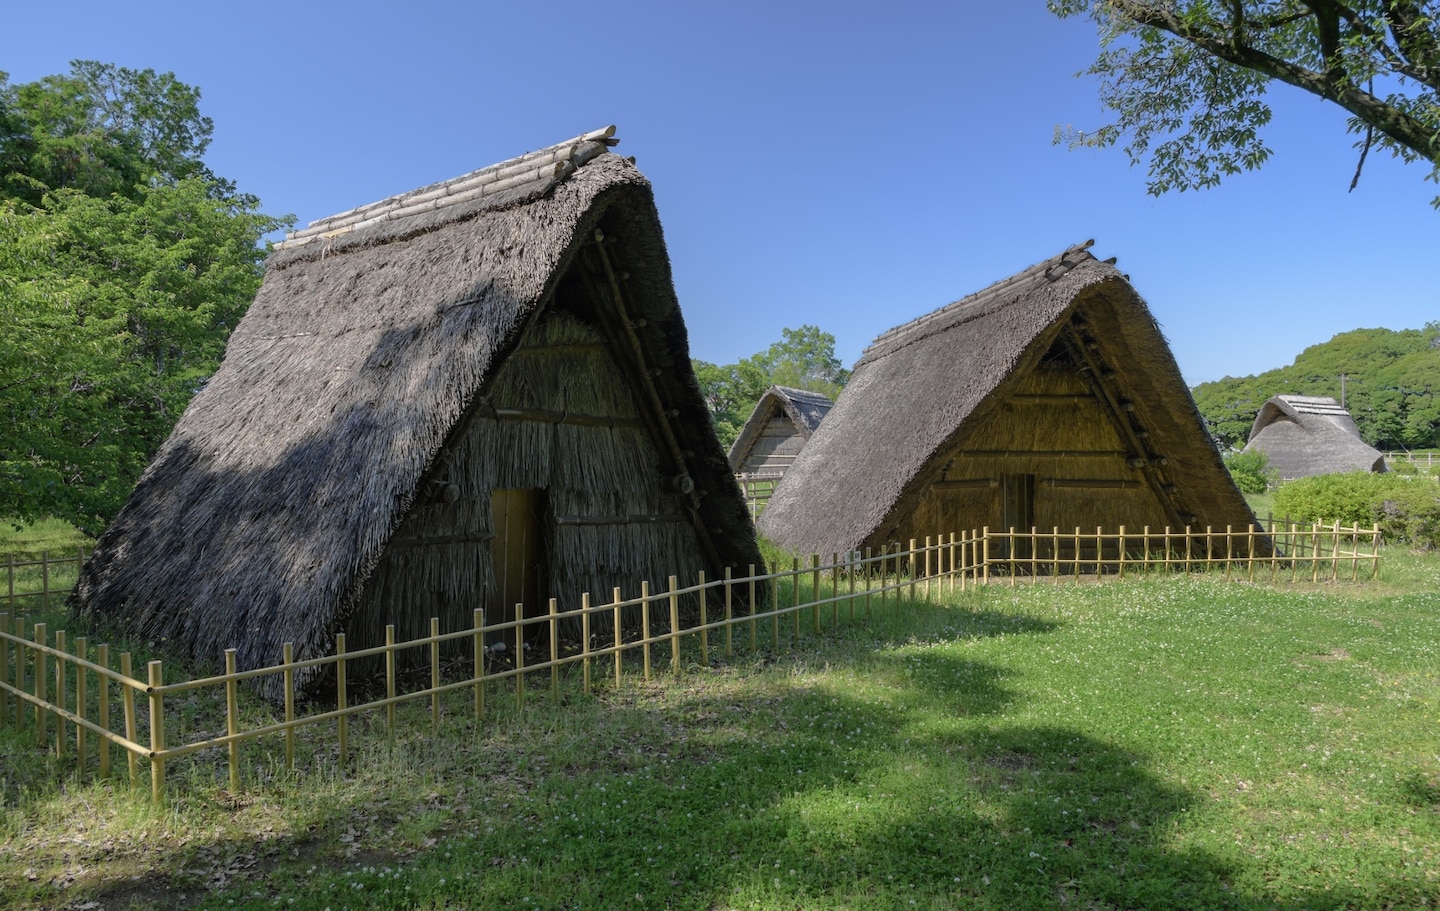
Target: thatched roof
{"x":1305,"y":435}
{"x":371,"y":339}
{"x":803,"y":408}
{"x":920,"y":386}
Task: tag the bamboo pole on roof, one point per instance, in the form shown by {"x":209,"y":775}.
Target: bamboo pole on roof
{"x":103,"y":702}
{"x":127,"y":701}
{"x":157,"y":733}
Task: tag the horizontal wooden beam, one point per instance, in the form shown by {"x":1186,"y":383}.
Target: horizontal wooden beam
{"x":966,"y":483}
{"x":619,"y":520}
{"x":542,"y":416}
{"x":474,"y":537}
{"x":1051,"y":399}
{"x":1098,"y":483}
{"x":1041,"y":454}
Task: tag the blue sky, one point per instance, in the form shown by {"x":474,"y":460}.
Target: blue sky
{"x":846,"y":165}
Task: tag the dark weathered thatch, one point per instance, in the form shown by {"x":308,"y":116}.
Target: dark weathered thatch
{"x":1304,"y":435}
{"x":512,"y":330}
{"x":1048,"y":399}
{"x":777,"y":429}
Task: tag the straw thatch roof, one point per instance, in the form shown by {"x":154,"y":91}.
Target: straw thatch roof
{"x":777,"y":429}
{"x":1303,"y":435}
{"x":367,"y":364}
{"x":1058,"y":373}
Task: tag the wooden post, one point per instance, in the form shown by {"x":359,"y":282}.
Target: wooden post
{"x":519,"y":655}
{"x":851,"y":558}
{"x":1188,"y":541}
{"x":754,"y":608}
{"x":342,"y":700}
{"x":674,"y":628}
{"x":232,"y":721}
{"x":1229,"y":550}
{"x":10,"y":575}
{"x":82,"y":651}
{"x":795,"y":593}
{"x":554,"y":651}
{"x":478,"y":661}
{"x":42,"y":717}
{"x":1250,"y":552}
{"x":914,"y":570}
{"x":103,"y":747}
{"x":157,"y":733}
{"x":814,"y":592}
{"x":704,"y":622}
{"x":927,"y":568}
{"x":127,"y":700}
{"x":45,"y":580}
{"x":585,"y":641}
{"x":618,"y":640}
{"x":434,"y":675}
{"x":645,"y":627}
{"x":730,"y":614}
{"x":60,"y":676}
{"x":985,"y":554}
{"x":1077,"y":553}
{"x":1121,"y":540}
{"x":5,"y":676}
{"x":288,"y":652}
{"x":869,"y":572}
{"x":1375,"y":549}
{"x":834,"y":590}
{"x":390,"y":681}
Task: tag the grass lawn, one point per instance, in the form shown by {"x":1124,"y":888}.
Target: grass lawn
{"x":1152,"y":743}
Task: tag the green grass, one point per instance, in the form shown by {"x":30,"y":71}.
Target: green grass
{"x":28,"y":541}
{"x":1153,"y":743}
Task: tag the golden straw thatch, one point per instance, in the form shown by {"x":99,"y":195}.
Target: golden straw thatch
{"x":473,"y":394}
{"x":777,"y":429}
{"x":1048,"y":399}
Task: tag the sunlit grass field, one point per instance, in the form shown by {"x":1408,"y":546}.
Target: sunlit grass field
{"x":1146,"y":743}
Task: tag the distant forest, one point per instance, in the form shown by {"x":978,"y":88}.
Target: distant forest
{"x":1391,"y":384}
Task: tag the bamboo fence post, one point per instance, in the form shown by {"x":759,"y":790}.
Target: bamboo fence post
{"x":554,"y":651}
{"x":704,"y":622}
{"x":478,"y":660}
{"x":519,"y":655}
{"x":42,"y":717}
{"x":618,"y":639}
{"x":927,"y":568}
{"x":103,"y":702}
{"x":60,"y":676}
{"x":1077,"y":554}
{"x":1354,"y":553}
{"x":674,"y":627}
{"x":1335,"y":552}
{"x":342,"y":700}
{"x":730,"y":614}
{"x":884,"y":583}
{"x":127,"y":701}
{"x":914,"y":570}
{"x":1121,"y":541}
{"x":754,"y":631}
{"x":1034,"y":553}
{"x":390,"y":681}
{"x":434,"y":675}
{"x":1250,"y":552}
{"x":82,"y":651}
{"x":1375,"y":549}
{"x":232,"y":721}
{"x":1055,"y":554}
{"x":5,"y":676}
{"x":1297,"y":549}
{"x":1229,"y":550}
{"x":852,"y":557}
{"x":795,"y":593}
{"x":645,"y":626}
{"x":10,"y":575}
{"x":985,"y":554}
{"x":585,"y":642}
{"x":1188,"y":541}
{"x":288,"y":652}
{"x":157,"y":733}
{"x":869,"y":572}
{"x":814,"y":592}
{"x":45,"y":580}
{"x":834,"y":590}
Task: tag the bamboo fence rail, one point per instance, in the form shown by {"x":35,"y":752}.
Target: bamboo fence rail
{"x":73,"y":702}
{"x":56,"y":577}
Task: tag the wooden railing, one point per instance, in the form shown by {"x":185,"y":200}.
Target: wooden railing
{"x":74,"y":696}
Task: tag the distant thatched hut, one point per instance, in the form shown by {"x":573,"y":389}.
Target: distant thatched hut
{"x":1303,"y":435}
{"x":472,"y":395}
{"x":1049,"y":399}
{"x":783,"y":420}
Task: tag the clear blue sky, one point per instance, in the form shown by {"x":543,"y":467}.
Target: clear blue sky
{"x":843,"y":164}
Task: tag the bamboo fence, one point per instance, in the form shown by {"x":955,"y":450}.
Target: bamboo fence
{"x":76,"y":700}
{"x":22,"y":588}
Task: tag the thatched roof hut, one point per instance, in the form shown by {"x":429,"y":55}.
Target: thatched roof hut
{"x":1049,"y":399}
{"x":474,"y":394}
{"x":1303,"y":435}
{"x":783,"y":420}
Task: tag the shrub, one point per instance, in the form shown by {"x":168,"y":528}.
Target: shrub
{"x":1251,"y":470}
{"x":1407,"y":509}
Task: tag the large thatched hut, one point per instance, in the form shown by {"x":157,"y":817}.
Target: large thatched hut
{"x":1049,"y":399}
{"x":475,"y":394}
{"x":1303,"y":435}
{"x":783,"y":420}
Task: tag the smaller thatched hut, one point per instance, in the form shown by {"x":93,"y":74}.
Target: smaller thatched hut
{"x":782,"y":421}
{"x":1303,"y":435}
{"x":474,"y":395}
{"x":1049,"y":399}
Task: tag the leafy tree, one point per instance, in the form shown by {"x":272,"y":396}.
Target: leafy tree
{"x":1251,"y":470}
{"x":124,"y":263}
{"x":1392,"y":387}
{"x":1187,"y":78}
{"x":804,"y":358}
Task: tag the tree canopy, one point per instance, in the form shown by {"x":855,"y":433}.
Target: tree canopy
{"x":803,"y":358}
{"x":124,"y":264}
{"x":1187,"y":79}
{"x":1392,"y":387}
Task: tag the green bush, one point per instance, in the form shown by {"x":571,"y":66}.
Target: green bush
{"x":1251,"y":470}
{"x":1407,"y":509}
